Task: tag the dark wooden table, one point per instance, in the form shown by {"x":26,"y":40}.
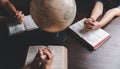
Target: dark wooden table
{"x":106,"y":57}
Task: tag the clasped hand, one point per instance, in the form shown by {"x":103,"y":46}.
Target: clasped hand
{"x":90,"y":24}
{"x":18,"y":17}
{"x":44,"y":59}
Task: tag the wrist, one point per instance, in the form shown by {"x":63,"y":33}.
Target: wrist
{"x":47,"y":66}
{"x":93,"y":18}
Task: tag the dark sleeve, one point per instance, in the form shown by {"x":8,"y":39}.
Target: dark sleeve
{"x":99,"y":0}
{"x":3,"y":12}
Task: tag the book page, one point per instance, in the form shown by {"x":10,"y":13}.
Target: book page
{"x":32,"y":51}
{"x":92,"y":37}
{"x":15,"y":28}
{"x":29,"y":23}
{"x":60,"y":56}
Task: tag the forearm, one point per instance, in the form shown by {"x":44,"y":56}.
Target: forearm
{"x":109,"y":15}
{"x":97,"y":10}
{"x":9,"y":7}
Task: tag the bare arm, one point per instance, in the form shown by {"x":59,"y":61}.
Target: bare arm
{"x":43,"y":60}
{"x":97,"y":10}
{"x":8,"y":6}
{"x":15,"y":15}
{"x":109,"y":15}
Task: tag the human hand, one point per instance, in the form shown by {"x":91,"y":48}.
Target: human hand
{"x":89,"y":20}
{"x":90,"y":24}
{"x":46,"y":56}
{"x":19,"y":17}
{"x":44,"y":59}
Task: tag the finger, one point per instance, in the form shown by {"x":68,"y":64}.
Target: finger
{"x":51,"y":53}
{"x":86,"y":21}
{"x":91,"y":21}
{"x":37,"y":59}
{"x":40,"y":52}
{"x":87,"y":30}
{"x":17,"y":11}
{"x":47,"y":53}
{"x":91,"y":24}
{"x":88,"y":27}
{"x":20,"y":20}
{"x":49,"y":50}
{"x":22,"y":15}
{"x":94,"y":28}
{"x":19,"y":14}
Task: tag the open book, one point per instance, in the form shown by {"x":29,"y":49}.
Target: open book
{"x":28,"y":25}
{"x":60,"y":55}
{"x":93,"y":39}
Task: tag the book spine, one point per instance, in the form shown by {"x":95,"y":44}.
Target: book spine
{"x":101,"y":42}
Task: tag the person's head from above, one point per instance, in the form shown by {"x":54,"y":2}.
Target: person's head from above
{"x":53,"y":15}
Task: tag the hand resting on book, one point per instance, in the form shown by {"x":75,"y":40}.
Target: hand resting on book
{"x":12,"y":12}
{"x":19,"y":17}
{"x":42,"y":60}
{"x":90,"y":24}
{"x":92,"y":39}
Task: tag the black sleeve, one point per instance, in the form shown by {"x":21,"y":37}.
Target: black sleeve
{"x":99,"y":0}
{"x":3,"y":12}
